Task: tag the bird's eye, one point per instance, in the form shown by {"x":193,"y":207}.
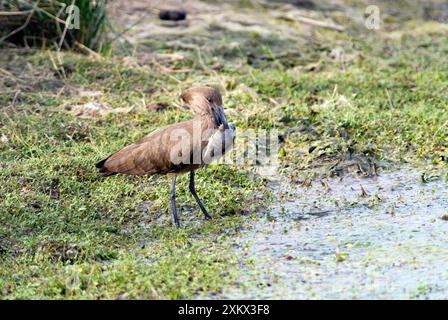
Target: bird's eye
{"x":209,"y":99}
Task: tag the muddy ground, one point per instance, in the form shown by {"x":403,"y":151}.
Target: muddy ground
{"x":351,"y":238}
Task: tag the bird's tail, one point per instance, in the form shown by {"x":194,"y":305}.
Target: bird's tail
{"x":102,"y":169}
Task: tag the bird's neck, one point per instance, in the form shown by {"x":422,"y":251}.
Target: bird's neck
{"x":207,"y":121}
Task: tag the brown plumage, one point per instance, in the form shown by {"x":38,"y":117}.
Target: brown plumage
{"x":176,"y":148}
{"x":151,"y":154}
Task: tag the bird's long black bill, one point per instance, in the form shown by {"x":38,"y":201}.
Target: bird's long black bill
{"x":220,"y":117}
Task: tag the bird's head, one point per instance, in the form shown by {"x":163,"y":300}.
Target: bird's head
{"x":206,"y":101}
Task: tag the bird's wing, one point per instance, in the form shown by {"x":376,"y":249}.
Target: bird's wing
{"x":137,"y":159}
{"x":152,"y":154}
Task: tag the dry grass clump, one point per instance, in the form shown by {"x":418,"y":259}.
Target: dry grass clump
{"x":53,"y":23}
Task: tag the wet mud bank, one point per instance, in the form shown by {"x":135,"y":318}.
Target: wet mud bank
{"x":366,"y":238}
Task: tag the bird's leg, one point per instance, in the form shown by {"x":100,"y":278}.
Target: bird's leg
{"x":195,"y":195}
{"x":173,"y":202}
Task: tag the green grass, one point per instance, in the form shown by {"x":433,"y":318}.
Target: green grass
{"x":67,"y":233}
{"x":58,"y":216}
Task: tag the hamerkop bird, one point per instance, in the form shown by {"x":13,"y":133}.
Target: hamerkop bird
{"x":180,"y":147}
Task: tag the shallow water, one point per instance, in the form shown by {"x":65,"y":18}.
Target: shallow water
{"x":339,"y":242}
